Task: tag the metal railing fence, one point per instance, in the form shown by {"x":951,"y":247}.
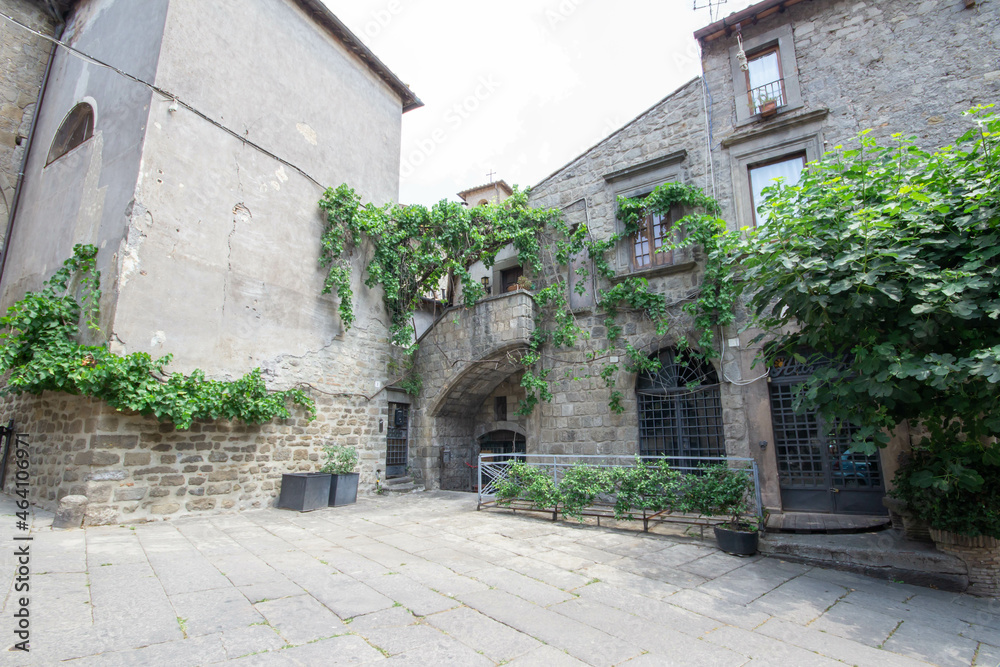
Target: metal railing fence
{"x":492,"y":471}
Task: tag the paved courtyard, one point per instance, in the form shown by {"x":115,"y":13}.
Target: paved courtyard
{"x":424,"y":579}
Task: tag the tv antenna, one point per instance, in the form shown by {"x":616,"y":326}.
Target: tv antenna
{"x":713,"y":7}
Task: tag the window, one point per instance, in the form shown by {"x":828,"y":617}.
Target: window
{"x":500,"y":408}
{"x":763,"y":175}
{"x":654,"y":234}
{"x":680,"y":408}
{"x":76,"y":128}
{"x":764,"y":80}
{"x":638,"y":252}
{"x":772,"y":73}
{"x":508,"y":279}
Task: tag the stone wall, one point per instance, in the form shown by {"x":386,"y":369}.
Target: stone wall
{"x":22,"y":66}
{"x":133,"y":468}
{"x":909,"y":66}
{"x":579,"y":420}
{"x":462,"y":360}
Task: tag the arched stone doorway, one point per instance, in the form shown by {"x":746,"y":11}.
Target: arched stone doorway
{"x":680,"y":408}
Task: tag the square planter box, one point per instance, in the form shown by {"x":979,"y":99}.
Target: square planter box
{"x":304,"y":491}
{"x":344,"y":489}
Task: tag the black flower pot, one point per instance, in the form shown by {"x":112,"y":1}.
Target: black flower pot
{"x":304,"y":491}
{"x":344,"y":489}
{"x":736,"y":542}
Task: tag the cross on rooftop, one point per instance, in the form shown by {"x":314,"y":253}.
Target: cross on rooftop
{"x":491,"y":174}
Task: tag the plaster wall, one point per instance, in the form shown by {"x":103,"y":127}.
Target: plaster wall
{"x":209,"y":247}
{"x":220,"y":262}
{"x":22,"y":66}
{"x":85,"y":196}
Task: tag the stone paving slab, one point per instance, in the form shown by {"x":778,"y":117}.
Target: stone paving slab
{"x":424,"y":579}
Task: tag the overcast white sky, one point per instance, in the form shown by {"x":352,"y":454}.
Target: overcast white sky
{"x":522,"y":87}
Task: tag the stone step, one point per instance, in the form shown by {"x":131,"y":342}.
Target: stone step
{"x":400,"y":485}
{"x":886,"y":555}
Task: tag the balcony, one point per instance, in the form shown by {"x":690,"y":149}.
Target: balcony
{"x":765,"y":100}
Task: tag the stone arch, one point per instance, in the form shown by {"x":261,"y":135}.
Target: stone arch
{"x":463,"y":358}
{"x":489,"y":427}
{"x":475,"y":381}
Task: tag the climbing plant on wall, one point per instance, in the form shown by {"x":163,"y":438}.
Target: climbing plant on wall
{"x":414,"y":248}
{"x":41,"y":352}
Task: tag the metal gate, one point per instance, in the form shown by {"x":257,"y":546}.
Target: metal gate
{"x":816,"y":472}
{"x":396,"y":440}
{"x":680,"y":408}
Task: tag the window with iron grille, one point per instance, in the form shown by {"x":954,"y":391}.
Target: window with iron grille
{"x":680,"y":408}
{"x":812,"y":453}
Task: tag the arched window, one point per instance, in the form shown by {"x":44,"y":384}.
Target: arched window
{"x":76,"y":128}
{"x":680,"y":408}
{"x":482,"y":202}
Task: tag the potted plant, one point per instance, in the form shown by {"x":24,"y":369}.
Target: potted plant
{"x":767,"y":106}
{"x":719,"y":490}
{"x":953,"y":484}
{"x":340,"y":463}
{"x":304,"y":491}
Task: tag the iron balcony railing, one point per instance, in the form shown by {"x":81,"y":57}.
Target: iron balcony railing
{"x":759,"y":96}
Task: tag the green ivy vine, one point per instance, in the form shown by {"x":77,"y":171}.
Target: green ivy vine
{"x":40,"y":351}
{"x":416,"y":249}
{"x":712,"y":307}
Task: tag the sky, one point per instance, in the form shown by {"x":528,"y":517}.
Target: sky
{"x":520,"y":88}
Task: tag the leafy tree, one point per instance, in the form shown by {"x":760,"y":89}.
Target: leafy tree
{"x":886,"y":259}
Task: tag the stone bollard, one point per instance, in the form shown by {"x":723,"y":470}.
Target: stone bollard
{"x":70,"y":512}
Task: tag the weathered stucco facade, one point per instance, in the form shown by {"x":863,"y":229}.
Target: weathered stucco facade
{"x":203,"y":204}
{"x":23,"y":57}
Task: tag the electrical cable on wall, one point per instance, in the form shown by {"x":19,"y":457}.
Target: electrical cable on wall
{"x":167,"y":95}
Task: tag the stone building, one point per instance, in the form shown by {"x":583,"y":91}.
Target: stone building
{"x":197,"y":175}
{"x":199,"y":183}
{"x":832,"y":68}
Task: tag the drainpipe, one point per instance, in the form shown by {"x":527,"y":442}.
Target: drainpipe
{"x":59,"y":29}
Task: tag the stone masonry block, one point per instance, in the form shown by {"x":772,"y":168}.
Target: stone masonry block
{"x":130,"y":493}
{"x":114,"y":441}
{"x":137,"y":458}
{"x":92,"y":458}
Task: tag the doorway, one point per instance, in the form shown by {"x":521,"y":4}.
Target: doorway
{"x":816,"y":470}
{"x":396,"y":447}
